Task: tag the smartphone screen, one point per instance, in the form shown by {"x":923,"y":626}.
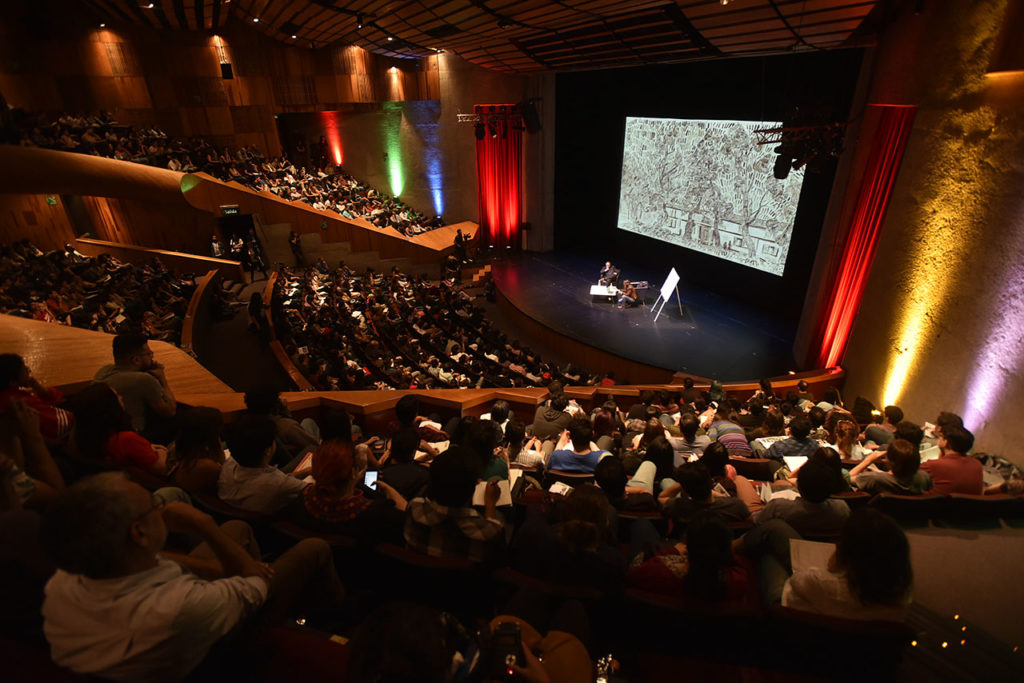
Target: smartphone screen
{"x":370,"y":479}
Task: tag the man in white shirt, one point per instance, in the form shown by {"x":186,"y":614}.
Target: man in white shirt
{"x":248,"y":480}
{"x":116,"y":609}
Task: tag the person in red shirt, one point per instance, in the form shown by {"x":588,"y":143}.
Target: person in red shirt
{"x":18,"y":384}
{"x":105,"y":432}
{"x":955,"y":471}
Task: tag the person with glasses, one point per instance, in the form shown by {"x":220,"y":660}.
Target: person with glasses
{"x":141,"y":383}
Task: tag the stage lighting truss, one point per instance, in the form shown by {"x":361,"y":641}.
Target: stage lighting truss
{"x":802,"y":145}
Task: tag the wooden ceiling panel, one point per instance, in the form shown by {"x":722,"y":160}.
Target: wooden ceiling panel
{"x":524,"y":36}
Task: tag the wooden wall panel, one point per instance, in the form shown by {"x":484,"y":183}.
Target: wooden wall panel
{"x":173,"y":79}
{"x":28,"y":216}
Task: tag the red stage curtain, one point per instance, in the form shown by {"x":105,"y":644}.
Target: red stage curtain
{"x":850,"y":278}
{"x":499,"y":163}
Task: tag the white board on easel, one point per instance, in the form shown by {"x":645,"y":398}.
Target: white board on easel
{"x":671,"y":285}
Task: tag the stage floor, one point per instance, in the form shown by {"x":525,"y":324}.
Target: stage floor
{"x":713,"y":337}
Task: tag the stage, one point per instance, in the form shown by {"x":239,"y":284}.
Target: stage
{"x":713,"y":337}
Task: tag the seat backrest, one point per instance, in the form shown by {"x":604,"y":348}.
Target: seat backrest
{"x":909,"y":510}
{"x":756,"y":469}
{"x":569,"y":478}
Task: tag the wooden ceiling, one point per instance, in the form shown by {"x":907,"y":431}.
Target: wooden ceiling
{"x":523,"y":36}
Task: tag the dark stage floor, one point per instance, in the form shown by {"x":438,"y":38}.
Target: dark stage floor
{"x":713,"y":337}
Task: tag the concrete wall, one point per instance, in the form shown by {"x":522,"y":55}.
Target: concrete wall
{"x":942,"y":323}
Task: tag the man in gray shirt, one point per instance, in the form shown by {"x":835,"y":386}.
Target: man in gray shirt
{"x":814,"y":514}
{"x":140,"y":381}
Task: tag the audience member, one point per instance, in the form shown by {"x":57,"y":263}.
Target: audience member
{"x":955,"y":471}
{"x":141,"y":382}
{"x":443,"y":523}
{"x":103,"y":431}
{"x":246,"y":479}
{"x":868,"y":576}
{"x":18,"y":384}
{"x":116,"y":609}
{"x":584,"y":454}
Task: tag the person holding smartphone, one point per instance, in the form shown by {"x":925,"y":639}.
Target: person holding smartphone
{"x":339,"y":502}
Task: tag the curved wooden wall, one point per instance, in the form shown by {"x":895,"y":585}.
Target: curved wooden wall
{"x":209,"y":194}
{"x":175,"y":260}
{"x":276,"y":347}
{"x":199,"y":316}
{"x":31,"y":170}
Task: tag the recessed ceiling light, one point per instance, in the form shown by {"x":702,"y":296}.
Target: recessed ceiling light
{"x":149,"y":6}
{"x":390,"y":38}
{"x":293,"y":37}
{"x":103,"y":25}
{"x":255,"y":20}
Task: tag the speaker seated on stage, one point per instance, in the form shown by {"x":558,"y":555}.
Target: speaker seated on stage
{"x":629,"y":295}
{"x":609,"y":275}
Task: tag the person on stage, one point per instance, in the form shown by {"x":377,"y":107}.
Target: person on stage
{"x":629,"y":295}
{"x":609,"y":274}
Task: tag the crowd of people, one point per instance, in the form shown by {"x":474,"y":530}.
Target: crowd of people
{"x":101,"y":293}
{"x":347,"y":330}
{"x":118,"y":603}
{"x":324,"y":186}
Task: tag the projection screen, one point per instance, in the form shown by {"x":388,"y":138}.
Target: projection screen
{"x":708,"y":186}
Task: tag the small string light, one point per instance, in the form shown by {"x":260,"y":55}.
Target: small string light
{"x":945,"y":644}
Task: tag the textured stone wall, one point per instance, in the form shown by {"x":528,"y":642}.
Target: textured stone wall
{"x":942,"y":323}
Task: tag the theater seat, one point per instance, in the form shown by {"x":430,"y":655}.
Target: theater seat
{"x":567,"y":478}
{"x":755,"y":469}
{"x":962,"y":511}
{"x":910,"y":511}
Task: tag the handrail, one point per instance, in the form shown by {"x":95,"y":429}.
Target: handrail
{"x":276,"y":348}
{"x":188,"y":326}
{"x":176,"y":260}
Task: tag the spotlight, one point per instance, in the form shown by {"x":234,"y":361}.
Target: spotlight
{"x":782,"y":166}
{"x":390,"y":38}
{"x":149,"y":6}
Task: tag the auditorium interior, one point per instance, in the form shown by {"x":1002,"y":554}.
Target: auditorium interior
{"x":349,"y":202}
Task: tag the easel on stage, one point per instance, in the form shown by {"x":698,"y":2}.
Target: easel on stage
{"x":671,"y":284}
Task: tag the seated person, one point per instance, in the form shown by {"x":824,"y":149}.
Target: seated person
{"x":337,"y":503}
{"x":140,"y":381}
{"x":610,"y":476}
{"x":798,"y":443}
{"x":703,"y":569}
{"x":103,"y":431}
{"x":814,"y":514}
{"x":17,"y":383}
{"x":868,"y":576}
{"x":549,"y":421}
{"x":655,"y":468}
{"x":885,"y":433}
{"x":955,"y":471}
{"x":609,"y":275}
{"x":247,"y":480}
{"x":628,"y":295}
{"x":584,"y":454}
{"x":697,"y":485}
{"x":443,"y":523}
{"x":520,"y":451}
{"x":689,"y":446}
{"x":723,"y":429}
{"x":198,"y":453}
{"x":400,"y":469}
{"x":904,"y":476}
{"x":116,"y":609}
{"x":845,"y":441}
{"x":573,"y":545}
{"x":295,"y":437}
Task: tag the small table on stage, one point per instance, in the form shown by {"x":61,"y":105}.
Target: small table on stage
{"x":599,"y":292}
